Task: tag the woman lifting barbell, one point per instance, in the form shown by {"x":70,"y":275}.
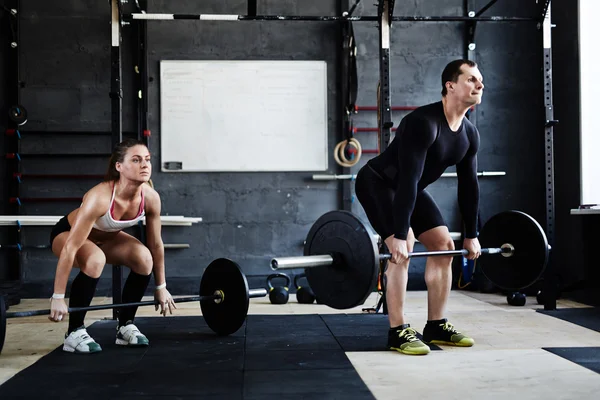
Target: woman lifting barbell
{"x":92,"y":235}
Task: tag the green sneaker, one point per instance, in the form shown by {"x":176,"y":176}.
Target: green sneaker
{"x":406,"y":341}
{"x":445,"y":333}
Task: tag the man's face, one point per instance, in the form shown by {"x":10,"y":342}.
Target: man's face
{"x":469,"y":87}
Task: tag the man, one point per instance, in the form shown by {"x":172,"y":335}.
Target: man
{"x":391,"y":189}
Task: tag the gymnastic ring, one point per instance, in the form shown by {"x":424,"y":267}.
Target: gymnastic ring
{"x":354,"y":143}
{"x":338,"y":151}
{"x":340,"y":157}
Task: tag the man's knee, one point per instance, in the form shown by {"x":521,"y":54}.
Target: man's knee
{"x":437,"y":239}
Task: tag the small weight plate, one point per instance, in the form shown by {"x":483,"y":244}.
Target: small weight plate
{"x":530,"y":255}
{"x":2,"y":321}
{"x":227,"y":316}
{"x":351,"y":278}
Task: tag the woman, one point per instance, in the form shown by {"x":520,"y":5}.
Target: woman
{"x":91,"y":236}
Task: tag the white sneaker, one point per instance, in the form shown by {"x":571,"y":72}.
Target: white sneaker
{"x":130,"y":335}
{"x":79,"y":341}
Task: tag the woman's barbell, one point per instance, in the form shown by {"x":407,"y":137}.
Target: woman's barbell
{"x":341,"y":256}
{"x":224,"y":299}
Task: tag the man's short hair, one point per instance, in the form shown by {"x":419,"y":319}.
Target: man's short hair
{"x":452,"y":72}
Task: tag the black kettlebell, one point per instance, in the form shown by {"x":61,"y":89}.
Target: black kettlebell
{"x":304,"y":294}
{"x":516,"y":299}
{"x":279,"y":294}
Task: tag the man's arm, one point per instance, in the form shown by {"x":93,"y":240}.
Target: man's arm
{"x":415,"y":136}
{"x":468,"y":188}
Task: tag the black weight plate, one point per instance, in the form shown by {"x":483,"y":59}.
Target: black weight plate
{"x":530,"y":255}
{"x":351,"y":279}
{"x":18,"y":114}
{"x":2,"y":321}
{"x":229,"y":315}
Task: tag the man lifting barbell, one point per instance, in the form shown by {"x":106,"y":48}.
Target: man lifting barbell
{"x":391,"y":189}
{"x":92,"y":235}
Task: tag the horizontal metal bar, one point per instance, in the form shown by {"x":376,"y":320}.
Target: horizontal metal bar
{"x":326,"y":259}
{"x":42,"y":199}
{"x":45,"y":220}
{"x":235,"y":17}
{"x":301,"y":262}
{"x":24,"y":247}
{"x":58,"y":176}
{"x":19,"y":314}
{"x":461,"y":252}
{"x":55,"y":155}
{"x":369,"y":129}
{"x":20,"y":247}
{"x":318,"y":177}
{"x":393,"y":108}
{"x":176,"y":246}
{"x":73,"y":133}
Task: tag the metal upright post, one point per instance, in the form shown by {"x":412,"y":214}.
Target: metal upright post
{"x":116,"y":95}
{"x":385,"y":11}
{"x":346,"y":58}
{"x":551,"y":277}
{"x":471,"y":45}
{"x":12,"y":141}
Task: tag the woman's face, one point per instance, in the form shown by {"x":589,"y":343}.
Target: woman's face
{"x":136,"y":165}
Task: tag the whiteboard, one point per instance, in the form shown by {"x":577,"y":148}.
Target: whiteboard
{"x":243,"y":116}
{"x":589,"y":64}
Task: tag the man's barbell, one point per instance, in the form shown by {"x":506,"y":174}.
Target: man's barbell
{"x":224,"y":299}
{"x":341,"y":256}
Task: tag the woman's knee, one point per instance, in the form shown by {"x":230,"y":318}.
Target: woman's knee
{"x":142,"y":262}
{"x":93,"y":264}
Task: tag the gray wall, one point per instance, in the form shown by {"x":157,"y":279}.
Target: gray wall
{"x":65,"y":55}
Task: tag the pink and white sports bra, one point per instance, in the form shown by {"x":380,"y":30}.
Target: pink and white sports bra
{"x":107,"y":223}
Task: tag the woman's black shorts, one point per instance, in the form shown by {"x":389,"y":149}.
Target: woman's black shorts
{"x":61,"y":226}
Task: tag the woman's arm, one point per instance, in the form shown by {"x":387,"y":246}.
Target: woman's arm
{"x":95,"y":203}
{"x":154,"y":240}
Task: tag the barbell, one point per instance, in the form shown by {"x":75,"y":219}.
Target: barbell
{"x":341,"y":256}
{"x":223,"y":295}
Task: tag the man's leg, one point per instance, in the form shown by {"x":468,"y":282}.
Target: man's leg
{"x":396,"y":281}
{"x":438,"y":277}
{"x":401,"y":337}
{"x":438,"y":271}
{"x":377,"y":199}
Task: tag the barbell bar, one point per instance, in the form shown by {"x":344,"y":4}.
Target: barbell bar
{"x":326,"y":259}
{"x":217,"y":297}
{"x":223,"y":296}
{"x":342,"y":260}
